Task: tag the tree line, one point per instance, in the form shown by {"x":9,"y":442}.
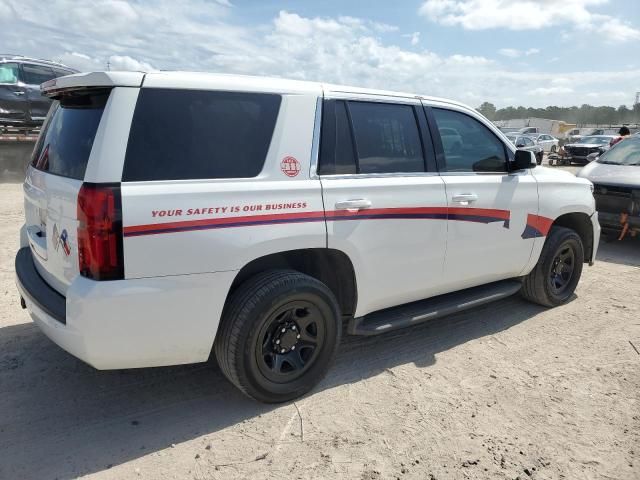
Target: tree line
{"x":585,"y":114}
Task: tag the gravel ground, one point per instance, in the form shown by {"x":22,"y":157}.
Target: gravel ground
{"x":507,"y":391}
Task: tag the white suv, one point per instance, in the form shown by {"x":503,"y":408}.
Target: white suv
{"x":169,"y":215}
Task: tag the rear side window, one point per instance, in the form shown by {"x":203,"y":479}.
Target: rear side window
{"x":468,"y":145}
{"x":67,"y":136}
{"x":387,"y":138}
{"x":384,"y":139}
{"x":337,"y":156}
{"x":36,"y":74}
{"x":191,"y":134}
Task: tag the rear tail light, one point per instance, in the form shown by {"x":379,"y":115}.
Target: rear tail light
{"x":100,"y":232}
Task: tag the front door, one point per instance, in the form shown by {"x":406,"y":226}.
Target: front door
{"x":383,"y":206}
{"x":488,"y":207}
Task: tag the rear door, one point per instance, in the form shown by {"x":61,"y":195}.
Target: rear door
{"x":53,"y":181}
{"x":488,"y":206}
{"x":13,"y":100}
{"x":385,"y":205}
{"x":34,"y":75}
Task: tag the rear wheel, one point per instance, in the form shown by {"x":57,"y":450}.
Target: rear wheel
{"x":278,"y":335}
{"x":556,"y":275}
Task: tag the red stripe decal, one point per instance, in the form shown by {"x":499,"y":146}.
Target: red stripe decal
{"x":541,"y":224}
{"x":461,"y":214}
{"x":212,"y":222}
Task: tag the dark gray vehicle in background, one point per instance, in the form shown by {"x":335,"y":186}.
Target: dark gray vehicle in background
{"x":21,"y":104}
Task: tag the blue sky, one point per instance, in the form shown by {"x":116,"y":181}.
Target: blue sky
{"x":509,"y":52}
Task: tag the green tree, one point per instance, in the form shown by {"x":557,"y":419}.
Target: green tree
{"x":488,"y":110}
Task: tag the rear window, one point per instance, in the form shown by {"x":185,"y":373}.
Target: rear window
{"x":191,"y":134}
{"x":67,"y":135}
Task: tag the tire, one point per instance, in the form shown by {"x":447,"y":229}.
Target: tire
{"x":539,"y":158}
{"x":251,"y":329}
{"x":542,"y":284}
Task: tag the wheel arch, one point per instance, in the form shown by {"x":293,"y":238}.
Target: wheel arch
{"x":581,"y":224}
{"x":330,"y":266}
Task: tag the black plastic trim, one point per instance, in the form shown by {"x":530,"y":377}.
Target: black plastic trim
{"x":39,"y":291}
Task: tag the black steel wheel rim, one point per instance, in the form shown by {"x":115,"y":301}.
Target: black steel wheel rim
{"x":290,"y":341}
{"x":562,"y":269}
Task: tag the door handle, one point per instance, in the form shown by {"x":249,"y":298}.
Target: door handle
{"x":18,"y":93}
{"x":464,"y":198}
{"x":354,"y":204}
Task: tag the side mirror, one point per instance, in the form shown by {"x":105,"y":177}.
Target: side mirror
{"x":523,"y":160}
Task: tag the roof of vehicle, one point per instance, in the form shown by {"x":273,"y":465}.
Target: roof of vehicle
{"x":7,"y":57}
{"x":216,"y":81}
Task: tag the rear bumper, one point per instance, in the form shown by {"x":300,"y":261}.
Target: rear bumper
{"x":145,"y":322}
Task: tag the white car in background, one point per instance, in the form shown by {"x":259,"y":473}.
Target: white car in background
{"x":547,"y":142}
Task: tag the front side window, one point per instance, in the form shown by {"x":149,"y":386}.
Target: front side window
{"x":37,"y":74}
{"x":478,"y":149}
{"x":192,"y":134}
{"x":9,"y":73}
{"x":387,"y":138}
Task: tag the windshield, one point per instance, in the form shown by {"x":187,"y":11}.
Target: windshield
{"x":595,"y":140}
{"x":627,"y":152}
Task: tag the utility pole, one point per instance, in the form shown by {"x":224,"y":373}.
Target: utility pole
{"x":637,"y":98}
{"x":109,"y":68}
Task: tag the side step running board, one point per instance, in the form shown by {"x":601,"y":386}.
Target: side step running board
{"x":414,"y":313}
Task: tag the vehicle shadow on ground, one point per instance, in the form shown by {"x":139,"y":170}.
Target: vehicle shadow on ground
{"x":624,"y":252}
{"x":60,"y":418}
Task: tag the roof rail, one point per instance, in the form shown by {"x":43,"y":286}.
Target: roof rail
{"x":11,"y":56}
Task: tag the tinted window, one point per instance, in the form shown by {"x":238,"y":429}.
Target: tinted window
{"x":387,"y":138}
{"x":527,"y":142}
{"x":67,"y":137}
{"x":36,"y":74}
{"x":336,"y":150}
{"x":9,"y":73}
{"x":189,"y":134}
{"x":476,"y":150}
{"x":61,"y":73}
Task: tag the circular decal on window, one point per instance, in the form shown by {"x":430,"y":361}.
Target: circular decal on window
{"x":290,"y":166}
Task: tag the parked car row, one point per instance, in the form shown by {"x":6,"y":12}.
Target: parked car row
{"x":525,"y":142}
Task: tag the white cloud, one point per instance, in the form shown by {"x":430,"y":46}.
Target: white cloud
{"x":551,"y":90}
{"x":206,"y":36}
{"x":515,"y":53}
{"x":529,"y":15}
{"x":414,"y":38}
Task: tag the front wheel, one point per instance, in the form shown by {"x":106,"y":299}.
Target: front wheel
{"x":555,"y":277}
{"x":278,"y":335}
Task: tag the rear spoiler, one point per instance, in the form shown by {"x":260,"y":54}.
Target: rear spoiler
{"x":83,"y":81}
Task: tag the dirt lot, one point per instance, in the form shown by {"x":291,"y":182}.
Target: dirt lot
{"x":511,"y":390}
